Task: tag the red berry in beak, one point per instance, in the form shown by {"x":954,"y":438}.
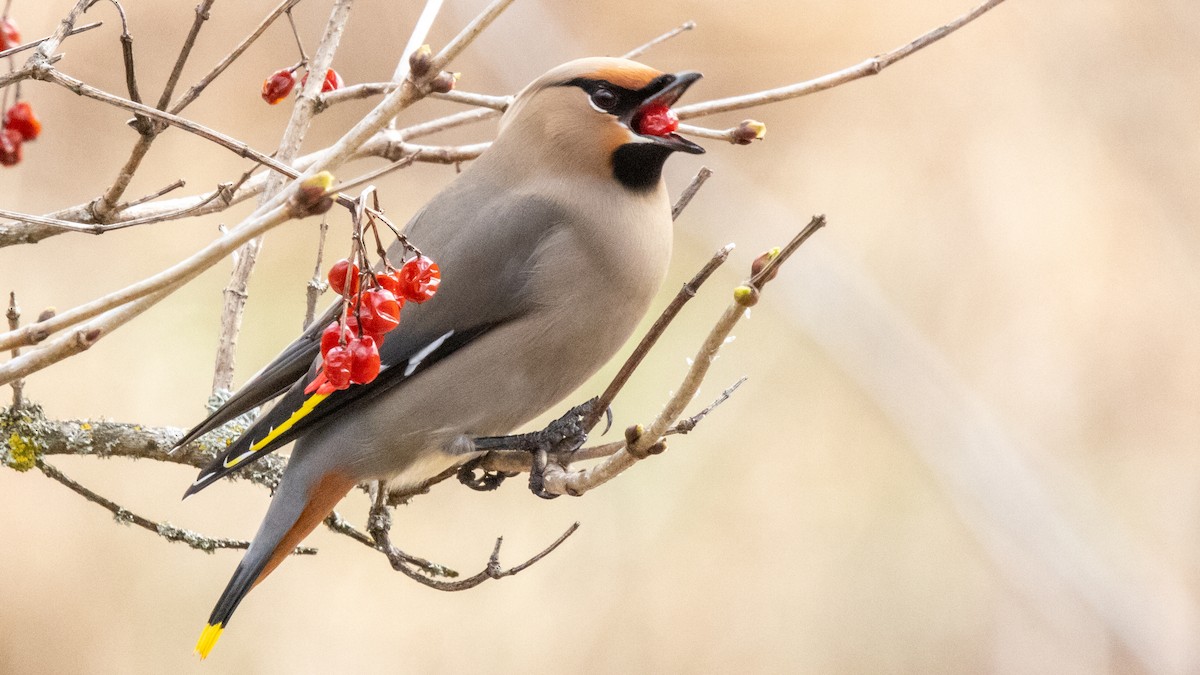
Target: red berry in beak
{"x":276,"y":87}
{"x":655,"y":120}
{"x":21,"y":118}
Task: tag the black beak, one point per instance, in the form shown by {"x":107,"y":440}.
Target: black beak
{"x":675,"y":86}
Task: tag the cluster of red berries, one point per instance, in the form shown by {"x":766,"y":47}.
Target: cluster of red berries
{"x":281,"y":83}
{"x":655,"y":120}
{"x":350,"y":346}
{"x":19,"y":124}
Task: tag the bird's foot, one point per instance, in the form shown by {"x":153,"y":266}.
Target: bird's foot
{"x":561,"y":437}
{"x":486,"y":480}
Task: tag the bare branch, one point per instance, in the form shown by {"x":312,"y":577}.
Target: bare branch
{"x":247,"y":256}
{"x":688,"y":424}
{"x":14,"y":322}
{"x":165,"y":530}
{"x":469,"y":33}
{"x":647,"y":343}
{"x":30,"y":45}
{"x":640,"y":442}
{"x":380,"y":532}
{"x":497,"y":103}
{"x":237,"y":147}
{"x":49,"y":45}
{"x":638,"y":51}
{"x":690,"y":191}
{"x":190,"y":41}
{"x":194,"y":92}
{"x":871,"y":66}
{"x":179,"y":183}
{"x":315,"y":286}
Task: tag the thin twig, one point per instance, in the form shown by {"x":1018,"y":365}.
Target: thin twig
{"x":164,"y":530}
{"x":49,"y":45}
{"x":237,"y":147}
{"x":14,"y":322}
{"x":690,"y":191}
{"x":315,"y":286}
{"x":871,"y":66}
{"x":30,"y":45}
{"x":190,"y":41}
{"x":640,"y":442}
{"x":491,"y":571}
{"x":153,"y":195}
{"x":149,"y":291}
{"x":638,"y":51}
{"x":194,"y":92}
{"x":236,"y":291}
{"x":126,"y":54}
{"x":647,"y":343}
{"x":688,"y":424}
{"x":468,"y":34}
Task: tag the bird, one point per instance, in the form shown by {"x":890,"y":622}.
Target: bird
{"x":552,"y":245}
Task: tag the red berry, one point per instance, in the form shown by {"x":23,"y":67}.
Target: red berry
{"x":390,"y":281}
{"x":656,"y":120}
{"x":331,"y":337}
{"x":332,"y":81}
{"x":337,"y":367}
{"x":9,"y":35}
{"x":419,"y":279}
{"x":364,"y":359}
{"x":276,"y":87}
{"x":10,"y":147}
{"x":337,"y":277}
{"x":353,"y":330}
{"x":21,"y":118}
{"x":378,"y":311}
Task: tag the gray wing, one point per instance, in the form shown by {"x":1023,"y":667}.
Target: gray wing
{"x":484,"y":255}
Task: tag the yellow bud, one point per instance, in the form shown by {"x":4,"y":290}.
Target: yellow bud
{"x":749,"y":131}
{"x":312,"y":198}
{"x":745,"y":296}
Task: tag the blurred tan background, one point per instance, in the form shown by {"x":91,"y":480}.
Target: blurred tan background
{"x":968,"y":440}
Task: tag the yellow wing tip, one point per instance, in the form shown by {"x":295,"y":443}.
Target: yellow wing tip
{"x":208,"y":640}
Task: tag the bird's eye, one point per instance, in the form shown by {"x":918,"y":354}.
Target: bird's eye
{"x":604,"y":98}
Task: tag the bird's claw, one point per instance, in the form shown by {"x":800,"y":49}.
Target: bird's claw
{"x":486,"y":481}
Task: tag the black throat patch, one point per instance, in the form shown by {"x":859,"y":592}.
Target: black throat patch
{"x":638,"y":166}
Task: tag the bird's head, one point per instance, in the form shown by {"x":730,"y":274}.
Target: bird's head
{"x":591,"y":115}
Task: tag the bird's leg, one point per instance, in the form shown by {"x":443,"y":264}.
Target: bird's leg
{"x":562,"y":436}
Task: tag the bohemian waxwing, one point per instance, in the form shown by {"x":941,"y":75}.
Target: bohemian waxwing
{"x":551,"y":246}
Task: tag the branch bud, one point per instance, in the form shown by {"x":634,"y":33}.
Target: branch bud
{"x":313,"y":198}
{"x":748,"y":131}
{"x":420,"y":62}
{"x":444,"y":82}
{"x":746,"y":296}
{"x":633,"y":433}
{"x":761,"y":262}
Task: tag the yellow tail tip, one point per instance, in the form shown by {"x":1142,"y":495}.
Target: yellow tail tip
{"x":208,"y":640}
